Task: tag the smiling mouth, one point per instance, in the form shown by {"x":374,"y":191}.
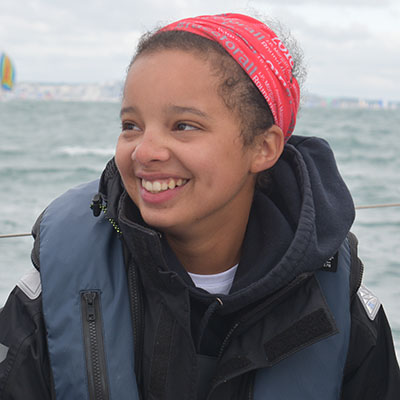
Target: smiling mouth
{"x":162,"y":186}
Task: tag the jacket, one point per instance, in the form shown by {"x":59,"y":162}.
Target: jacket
{"x":270,"y":311}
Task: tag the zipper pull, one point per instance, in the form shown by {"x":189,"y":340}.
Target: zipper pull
{"x":90,"y":307}
{"x":96,"y":204}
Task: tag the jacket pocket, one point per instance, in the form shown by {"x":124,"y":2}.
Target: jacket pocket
{"x":94,"y":345}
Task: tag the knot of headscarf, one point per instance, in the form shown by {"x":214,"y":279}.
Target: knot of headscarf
{"x":260,"y":53}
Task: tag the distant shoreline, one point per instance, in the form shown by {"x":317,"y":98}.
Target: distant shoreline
{"x":112,"y":92}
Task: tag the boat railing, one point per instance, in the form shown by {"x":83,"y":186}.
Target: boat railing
{"x":370,"y":206}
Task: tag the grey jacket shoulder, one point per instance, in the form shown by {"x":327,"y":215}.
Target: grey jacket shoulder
{"x":372,"y":371}
{"x":24,"y":364}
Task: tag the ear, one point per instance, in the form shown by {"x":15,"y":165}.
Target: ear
{"x":268,"y":148}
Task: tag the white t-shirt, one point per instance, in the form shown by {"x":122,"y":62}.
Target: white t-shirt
{"x":215,"y":283}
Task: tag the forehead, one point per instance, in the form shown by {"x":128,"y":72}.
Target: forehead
{"x":173,"y":63}
{"x":169,"y":74}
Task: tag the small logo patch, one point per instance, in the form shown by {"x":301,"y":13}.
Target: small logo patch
{"x":370,"y":302}
{"x":331,"y":264}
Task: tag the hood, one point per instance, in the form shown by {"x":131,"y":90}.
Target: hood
{"x":299,"y":223}
{"x":295,"y":225}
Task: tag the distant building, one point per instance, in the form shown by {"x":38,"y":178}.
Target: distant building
{"x":110,"y":92}
{"x":312,"y":100}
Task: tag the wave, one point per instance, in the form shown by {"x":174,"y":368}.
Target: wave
{"x":85,"y":151}
{"x":43,"y":172}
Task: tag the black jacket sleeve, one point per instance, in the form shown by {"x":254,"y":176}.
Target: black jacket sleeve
{"x":372,"y":371}
{"x":24,"y":366}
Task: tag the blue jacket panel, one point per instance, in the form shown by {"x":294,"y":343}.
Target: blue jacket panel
{"x":89,"y":257}
{"x":316,"y":372}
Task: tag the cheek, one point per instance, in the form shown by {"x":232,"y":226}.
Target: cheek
{"x":204,"y":165}
{"x":123,"y":157}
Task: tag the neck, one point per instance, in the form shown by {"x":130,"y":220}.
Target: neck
{"x":213,"y":251}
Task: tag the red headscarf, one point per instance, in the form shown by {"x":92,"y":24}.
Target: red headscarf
{"x":260,"y":53}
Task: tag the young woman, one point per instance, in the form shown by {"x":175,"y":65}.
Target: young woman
{"x":216,"y":260}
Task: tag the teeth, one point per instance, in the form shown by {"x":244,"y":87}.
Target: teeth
{"x":171,"y":184}
{"x":161,"y":186}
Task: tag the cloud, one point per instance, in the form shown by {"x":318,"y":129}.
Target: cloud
{"x":350,"y":52}
{"x":328,"y":3}
{"x":83,"y":40}
{"x":349,"y":44}
{"x":70,"y":43}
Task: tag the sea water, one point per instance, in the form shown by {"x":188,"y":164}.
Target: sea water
{"x":47,"y":147}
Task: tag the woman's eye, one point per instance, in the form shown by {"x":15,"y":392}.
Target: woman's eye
{"x":182,"y":126}
{"x":129,"y":126}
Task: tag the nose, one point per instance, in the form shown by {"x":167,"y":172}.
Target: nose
{"x":151,"y":147}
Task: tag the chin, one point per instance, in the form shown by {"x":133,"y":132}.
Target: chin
{"x":158,"y":222}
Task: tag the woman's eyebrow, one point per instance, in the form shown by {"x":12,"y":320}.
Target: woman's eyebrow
{"x":127,"y":110}
{"x":191,"y":110}
{"x":170,"y":109}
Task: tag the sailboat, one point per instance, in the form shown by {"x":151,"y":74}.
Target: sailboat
{"x":7,"y":72}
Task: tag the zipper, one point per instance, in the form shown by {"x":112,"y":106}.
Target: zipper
{"x":356,"y":264}
{"x":251,"y":387}
{"x":94,"y":345}
{"x":361,"y":269}
{"x":227,"y":339}
{"x":137,"y":313}
{"x":240,"y":326}
{"x":97,"y":207}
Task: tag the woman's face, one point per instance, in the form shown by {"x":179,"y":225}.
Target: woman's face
{"x":180,"y":154}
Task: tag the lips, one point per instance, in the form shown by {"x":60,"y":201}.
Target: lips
{"x":162,"y":185}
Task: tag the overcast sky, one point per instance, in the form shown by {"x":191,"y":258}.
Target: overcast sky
{"x":352,"y":47}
